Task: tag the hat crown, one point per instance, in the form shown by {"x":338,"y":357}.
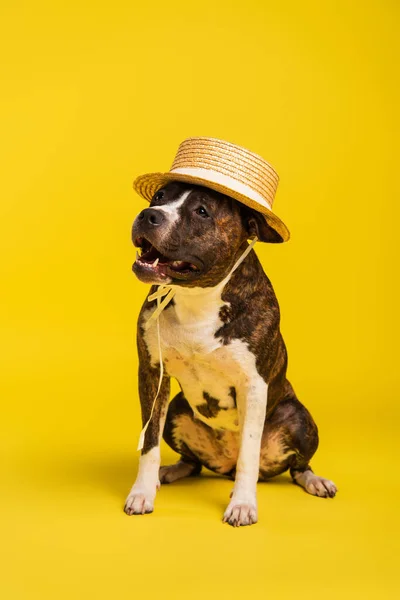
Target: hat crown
{"x":228,"y":160}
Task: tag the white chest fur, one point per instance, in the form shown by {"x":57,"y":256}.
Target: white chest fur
{"x":207,"y":370}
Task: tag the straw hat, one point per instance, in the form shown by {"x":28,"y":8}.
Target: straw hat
{"x":224,"y":167}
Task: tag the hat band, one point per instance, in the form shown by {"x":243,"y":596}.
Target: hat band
{"x":224,"y":180}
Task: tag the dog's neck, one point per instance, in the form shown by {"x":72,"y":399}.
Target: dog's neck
{"x":198,"y":304}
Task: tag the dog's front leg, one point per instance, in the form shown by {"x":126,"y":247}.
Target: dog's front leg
{"x":252,"y":404}
{"x":141,"y":497}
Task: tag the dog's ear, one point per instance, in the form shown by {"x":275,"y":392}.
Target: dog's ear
{"x":256,"y":224}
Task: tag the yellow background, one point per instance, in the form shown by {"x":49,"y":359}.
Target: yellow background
{"x":95,"y":93}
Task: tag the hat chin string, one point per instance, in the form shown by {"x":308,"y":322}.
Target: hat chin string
{"x":167,"y":292}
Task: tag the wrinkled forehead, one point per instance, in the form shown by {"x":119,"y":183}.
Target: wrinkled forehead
{"x":175,"y":197}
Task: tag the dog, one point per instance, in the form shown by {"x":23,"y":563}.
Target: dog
{"x":236,"y":414}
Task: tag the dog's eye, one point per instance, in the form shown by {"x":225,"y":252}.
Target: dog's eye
{"x":157,"y":196}
{"x":201,"y":211}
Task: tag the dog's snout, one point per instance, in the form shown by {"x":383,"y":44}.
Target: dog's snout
{"x":151,"y":216}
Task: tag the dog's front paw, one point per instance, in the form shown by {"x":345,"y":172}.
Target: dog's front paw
{"x":139,"y":502}
{"x":240,"y":513}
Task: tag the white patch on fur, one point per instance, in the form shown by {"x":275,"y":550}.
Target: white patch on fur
{"x":192,"y":354}
{"x":171,"y":210}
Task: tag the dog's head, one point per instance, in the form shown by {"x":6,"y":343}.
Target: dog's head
{"x":191,"y":236}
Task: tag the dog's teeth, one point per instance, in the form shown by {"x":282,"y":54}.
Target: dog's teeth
{"x":155,"y":263}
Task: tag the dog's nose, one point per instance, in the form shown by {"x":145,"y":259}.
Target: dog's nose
{"x":152,"y":216}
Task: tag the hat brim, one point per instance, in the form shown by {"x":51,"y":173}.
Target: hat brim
{"x":147,"y":185}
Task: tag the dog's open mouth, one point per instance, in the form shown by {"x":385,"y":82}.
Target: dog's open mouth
{"x":152,"y":259}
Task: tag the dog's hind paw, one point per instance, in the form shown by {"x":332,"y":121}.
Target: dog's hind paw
{"x":325,"y":488}
{"x":181,"y":469}
{"x":317,"y":486}
{"x":138,"y":503}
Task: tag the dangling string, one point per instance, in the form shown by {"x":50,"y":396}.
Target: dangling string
{"x":167,"y":292}
{"x":163,"y":290}
{"x":141,"y":436}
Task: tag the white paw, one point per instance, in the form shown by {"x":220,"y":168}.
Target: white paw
{"x":240,"y":513}
{"x":318,"y":486}
{"x":139,"y":502}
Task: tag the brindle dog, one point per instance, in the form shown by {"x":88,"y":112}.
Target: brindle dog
{"x":236,"y":414}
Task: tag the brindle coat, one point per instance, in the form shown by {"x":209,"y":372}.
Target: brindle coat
{"x":251,"y":314}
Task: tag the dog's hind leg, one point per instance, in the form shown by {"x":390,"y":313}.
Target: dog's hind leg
{"x":188,"y":463}
{"x":183,"y":468}
{"x":290,"y":439}
{"x":305,"y":438}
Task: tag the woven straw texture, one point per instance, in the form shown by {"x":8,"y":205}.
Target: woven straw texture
{"x":227,"y":160}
